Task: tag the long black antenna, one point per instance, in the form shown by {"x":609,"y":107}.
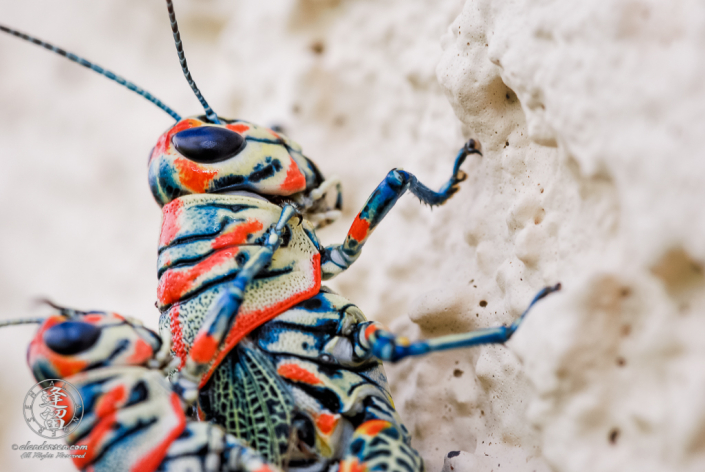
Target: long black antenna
{"x":20,"y":321}
{"x":210,"y":114}
{"x":63,"y":311}
{"x":95,"y":67}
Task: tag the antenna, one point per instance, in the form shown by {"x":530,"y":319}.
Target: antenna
{"x":104,"y":72}
{"x":210,"y":114}
{"x":63,"y":311}
{"x":20,"y":321}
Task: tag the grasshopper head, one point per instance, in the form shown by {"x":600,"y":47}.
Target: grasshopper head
{"x":195,"y":156}
{"x":66,"y":345}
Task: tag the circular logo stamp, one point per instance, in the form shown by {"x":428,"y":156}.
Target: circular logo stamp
{"x":53,"y":408}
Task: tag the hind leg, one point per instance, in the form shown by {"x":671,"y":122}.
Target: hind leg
{"x":206,"y":447}
{"x":380,"y":443}
{"x":374,"y":341}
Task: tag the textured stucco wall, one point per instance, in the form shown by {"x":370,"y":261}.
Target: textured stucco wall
{"x":611,"y":105}
{"x":589,"y":114}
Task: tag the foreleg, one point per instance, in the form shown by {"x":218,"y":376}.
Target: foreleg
{"x":222,"y":312}
{"x":374,"y":341}
{"x":336,"y":259}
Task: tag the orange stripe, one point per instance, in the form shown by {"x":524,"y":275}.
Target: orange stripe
{"x":264,"y":468}
{"x":358,"y":230}
{"x":352,"y":465}
{"x":171,"y":213}
{"x":93,"y":441}
{"x":177,"y":336}
{"x":150,"y":461}
{"x":110,"y":401}
{"x":295,"y":180}
{"x":372,"y":427}
{"x":142,"y":353}
{"x":176,"y":282}
{"x":298,"y":373}
{"x":204,"y":348}
{"x":326,"y":423}
{"x":93,"y":318}
{"x":238,"y":127}
{"x":237,"y":235}
{"x":193,"y":176}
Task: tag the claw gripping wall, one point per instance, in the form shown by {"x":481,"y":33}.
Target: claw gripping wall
{"x":591,"y":116}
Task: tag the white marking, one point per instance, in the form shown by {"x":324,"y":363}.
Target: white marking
{"x":338,"y":258}
{"x":244,"y":193}
{"x":324,"y":187}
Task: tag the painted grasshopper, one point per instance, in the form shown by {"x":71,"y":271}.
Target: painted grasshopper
{"x":274,"y":370}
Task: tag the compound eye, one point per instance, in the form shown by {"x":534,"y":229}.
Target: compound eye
{"x":208,"y":144}
{"x":71,"y":337}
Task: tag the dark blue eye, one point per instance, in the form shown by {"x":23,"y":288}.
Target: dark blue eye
{"x":208,"y":144}
{"x":71,"y":337}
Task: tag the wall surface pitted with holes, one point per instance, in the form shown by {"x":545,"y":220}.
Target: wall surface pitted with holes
{"x":593,"y":175}
{"x":590,"y":116}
